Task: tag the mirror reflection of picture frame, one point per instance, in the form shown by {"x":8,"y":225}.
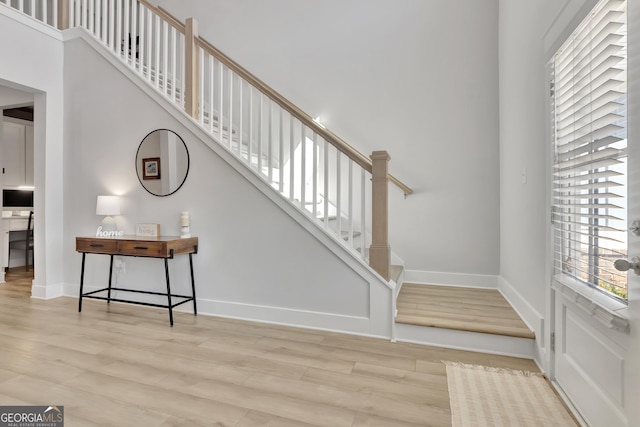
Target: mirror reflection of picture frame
{"x":151,"y":168}
{"x":170,"y":152}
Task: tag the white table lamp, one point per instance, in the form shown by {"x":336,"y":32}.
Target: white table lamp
{"x":108,"y":205}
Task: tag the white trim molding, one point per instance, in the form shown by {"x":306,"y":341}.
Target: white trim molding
{"x":47,"y":291}
{"x":464,"y":340}
{"x":451,"y":279}
{"x":611,"y":317}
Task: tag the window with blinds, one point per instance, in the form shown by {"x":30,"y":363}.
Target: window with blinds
{"x":588,"y":95}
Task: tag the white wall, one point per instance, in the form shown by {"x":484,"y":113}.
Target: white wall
{"x":34,"y":65}
{"x":417,"y":78}
{"x":253,"y":261}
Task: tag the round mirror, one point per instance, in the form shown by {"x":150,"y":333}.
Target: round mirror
{"x":162,"y":162}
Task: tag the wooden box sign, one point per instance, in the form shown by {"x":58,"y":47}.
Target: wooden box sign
{"x":148,"y":230}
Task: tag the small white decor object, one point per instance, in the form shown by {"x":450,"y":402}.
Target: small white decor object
{"x":107,"y":206}
{"x":184,"y":224}
{"x":148,"y":230}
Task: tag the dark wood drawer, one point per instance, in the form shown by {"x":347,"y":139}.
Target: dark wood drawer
{"x":97,"y":246}
{"x":157,"y":247}
{"x":142,"y":248}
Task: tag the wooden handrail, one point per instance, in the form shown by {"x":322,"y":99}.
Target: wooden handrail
{"x":362,"y":160}
{"x":162,"y":13}
{"x":296,"y":112}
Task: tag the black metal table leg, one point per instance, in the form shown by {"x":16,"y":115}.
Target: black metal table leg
{"x":110,"y":276}
{"x":166,"y":271}
{"x":193,"y":286}
{"x":84,"y":255}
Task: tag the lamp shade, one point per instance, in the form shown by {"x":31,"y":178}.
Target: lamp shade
{"x":108,"y":205}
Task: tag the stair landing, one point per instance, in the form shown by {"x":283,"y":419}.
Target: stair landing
{"x":469,"y":318}
{"x":465,"y":309}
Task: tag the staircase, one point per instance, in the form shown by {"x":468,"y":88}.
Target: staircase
{"x":336,"y":187}
{"x":309,"y":166}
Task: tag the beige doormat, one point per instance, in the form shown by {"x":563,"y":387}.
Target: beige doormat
{"x":482,"y":396}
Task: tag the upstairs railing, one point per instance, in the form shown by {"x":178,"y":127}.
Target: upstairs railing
{"x":305,"y":162}
{"x":45,"y":11}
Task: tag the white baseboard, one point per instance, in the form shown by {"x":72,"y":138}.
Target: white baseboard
{"x":275,"y":315}
{"x":527,"y":313}
{"x":469,"y":341}
{"x":529,"y":316}
{"x":451,"y":279}
{"x":47,"y":291}
{"x":287,"y":316}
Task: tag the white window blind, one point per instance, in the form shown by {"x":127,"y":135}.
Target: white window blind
{"x":588,"y":92}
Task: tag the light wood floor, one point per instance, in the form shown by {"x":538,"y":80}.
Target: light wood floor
{"x":122,"y":365}
{"x":467,"y":309}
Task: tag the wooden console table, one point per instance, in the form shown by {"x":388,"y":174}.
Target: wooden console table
{"x":163,"y":247}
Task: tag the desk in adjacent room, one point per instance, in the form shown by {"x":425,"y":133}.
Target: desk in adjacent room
{"x":163,"y":247}
{"x":12,"y":224}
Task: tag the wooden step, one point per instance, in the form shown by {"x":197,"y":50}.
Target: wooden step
{"x":458,"y":308}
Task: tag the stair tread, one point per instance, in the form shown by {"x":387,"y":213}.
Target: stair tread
{"x":460,"y":308}
{"x":464,"y":326}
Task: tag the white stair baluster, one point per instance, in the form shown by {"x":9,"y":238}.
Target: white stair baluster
{"x":281,"y":152}
{"x":230,"y":129}
{"x":250,"y":124}
{"x":157,"y":24}
{"x":141,"y":42}
{"x":100,"y":17}
{"x":325,"y":190}
{"x":135,"y":38}
{"x":75,"y":12}
{"x":240,"y":114}
{"x":117,"y":42}
{"x":259,"y":129}
{"x":172,"y":43}
{"x":72,"y":13}
{"x":32,"y":9}
{"x":314,"y":185}
{"x":338,"y":194}
{"x":292,"y":160}
{"x":54,"y":15}
{"x":350,"y":202}
{"x":303,"y":164}
{"x":149,"y":48}
{"x":112,"y":24}
{"x":270,"y":142}
{"x":211,"y":86}
{"x":83,"y":14}
{"x":91,"y":17}
{"x":363,"y":207}
{"x":126,"y":32}
{"x":202,"y":81}
{"x":220,"y":100}
{"x":165,"y":57}
{"x":183,"y":65}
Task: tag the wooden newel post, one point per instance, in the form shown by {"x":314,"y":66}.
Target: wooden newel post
{"x":63,"y":14}
{"x":191,"y":68}
{"x":379,"y":251}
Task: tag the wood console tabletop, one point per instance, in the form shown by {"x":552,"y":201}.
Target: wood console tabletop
{"x":163,"y":247}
